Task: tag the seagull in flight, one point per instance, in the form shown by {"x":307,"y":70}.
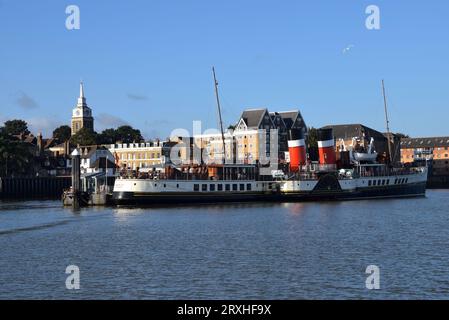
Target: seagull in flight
{"x":348,"y":48}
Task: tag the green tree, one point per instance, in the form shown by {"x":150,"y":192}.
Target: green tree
{"x":108,"y":136}
{"x":84,"y":137}
{"x":15,"y":156}
{"x":16,"y":127}
{"x":62,"y":133}
{"x":127,"y":134}
{"x":312,"y":143}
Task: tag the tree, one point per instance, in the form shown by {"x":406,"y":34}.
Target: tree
{"x":84,"y":137}
{"x":312,"y":143}
{"x":15,"y":156}
{"x":127,"y":134}
{"x":16,"y":127}
{"x":108,"y":136}
{"x":62,"y":133}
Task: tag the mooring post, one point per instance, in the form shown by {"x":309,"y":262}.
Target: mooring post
{"x":76,"y":178}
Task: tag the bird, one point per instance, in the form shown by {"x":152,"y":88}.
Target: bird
{"x":348,"y":48}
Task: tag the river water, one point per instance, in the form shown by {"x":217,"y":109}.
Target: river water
{"x":234,"y":251}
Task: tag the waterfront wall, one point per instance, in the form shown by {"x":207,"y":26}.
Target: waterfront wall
{"x":438,"y":182}
{"x":33,"y":187}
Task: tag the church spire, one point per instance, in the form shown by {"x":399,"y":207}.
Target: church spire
{"x":81,"y":89}
{"x":82,"y":99}
{"x":81,"y":114}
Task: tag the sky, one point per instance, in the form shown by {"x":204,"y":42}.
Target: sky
{"x":148,"y":63}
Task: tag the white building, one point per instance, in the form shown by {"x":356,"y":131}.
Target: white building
{"x":96,"y":159}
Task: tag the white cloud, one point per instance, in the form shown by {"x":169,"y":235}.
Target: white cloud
{"x":37,"y":124}
{"x":44,"y":125}
{"x":106,"y":121}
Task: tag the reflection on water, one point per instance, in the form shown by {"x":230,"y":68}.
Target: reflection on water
{"x":241,"y":251}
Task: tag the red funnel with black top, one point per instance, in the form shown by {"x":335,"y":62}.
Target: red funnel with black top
{"x":296,"y":149}
{"x":326,"y":146}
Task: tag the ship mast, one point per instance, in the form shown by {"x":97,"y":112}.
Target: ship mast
{"x":219,"y":115}
{"x":388,"y":123}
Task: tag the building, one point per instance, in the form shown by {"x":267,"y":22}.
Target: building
{"x":82,"y":114}
{"x":361,"y":135}
{"x":416,"y":149}
{"x":138,"y":155}
{"x":252,"y":132}
{"x":248,"y":142}
{"x":94,"y":160}
{"x":434,"y":152}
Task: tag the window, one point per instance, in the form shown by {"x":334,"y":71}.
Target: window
{"x":383,"y":182}
{"x":374,"y":182}
{"x":196,"y":187}
{"x":234,"y":187}
{"x":177,"y":185}
{"x":242,"y":187}
{"x":395,"y":181}
{"x":228,"y":187}
{"x":379,"y":182}
{"x":204,"y":187}
{"x":220,"y":187}
{"x":248,"y":186}
{"x":369,"y":183}
{"x":165,"y":185}
{"x":406,"y":180}
{"x":212,"y":187}
{"x":388,"y":182}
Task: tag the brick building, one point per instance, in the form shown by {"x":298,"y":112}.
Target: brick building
{"x":434,"y":151}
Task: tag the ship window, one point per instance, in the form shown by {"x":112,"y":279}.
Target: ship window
{"x":388,"y":182}
{"x":234,"y":187}
{"x":383,"y":182}
{"x":196,"y":187}
{"x":228,"y":187}
{"x":220,"y":187}
{"x":369,"y":183}
{"x":212,"y":187}
{"x":248,"y":186}
{"x":374,"y":182}
{"x":177,"y":185}
{"x":395,"y":181}
{"x":379,"y":182}
{"x":406,"y":180}
{"x":242,"y":187}
{"x":204,"y":187}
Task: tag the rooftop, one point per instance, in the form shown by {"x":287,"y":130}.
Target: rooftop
{"x":430,"y":142}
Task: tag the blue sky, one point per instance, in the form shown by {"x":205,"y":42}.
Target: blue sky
{"x":148,"y":63}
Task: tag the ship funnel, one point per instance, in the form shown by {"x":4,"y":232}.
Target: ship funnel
{"x":296,"y":149}
{"x":326,"y":146}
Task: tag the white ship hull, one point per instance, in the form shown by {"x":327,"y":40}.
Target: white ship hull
{"x":327,"y":187}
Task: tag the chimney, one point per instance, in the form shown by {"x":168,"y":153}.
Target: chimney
{"x":326,"y":146}
{"x":296,"y":149}
{"x":40,"y":146}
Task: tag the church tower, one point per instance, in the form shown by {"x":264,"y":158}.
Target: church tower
{"x":82,"y":114}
